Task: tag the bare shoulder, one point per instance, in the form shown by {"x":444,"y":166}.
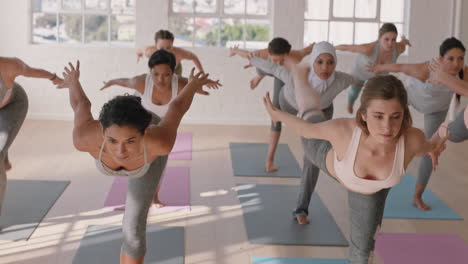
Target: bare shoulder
{"x":414,"y":139}
{"x":11,"y":65}
{"x":368,"y":48}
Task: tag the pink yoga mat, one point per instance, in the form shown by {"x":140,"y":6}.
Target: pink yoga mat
{"x":404,"y":248}
{"x":174,"y":192}
{"x":183,"y":147}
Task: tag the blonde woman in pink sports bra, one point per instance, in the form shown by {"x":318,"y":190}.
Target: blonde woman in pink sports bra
{"x":368,"y":154}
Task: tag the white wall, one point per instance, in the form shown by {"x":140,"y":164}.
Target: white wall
{"x":235,"y":103}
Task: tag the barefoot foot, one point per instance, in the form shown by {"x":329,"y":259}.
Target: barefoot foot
{"x":350,"y":108}
{"x":270,"y":167}
{"x":302,"y":219}
{"x":418,"y":202}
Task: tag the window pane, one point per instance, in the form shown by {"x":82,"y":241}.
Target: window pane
{"x":317,"y":9}
{"x":71,"y":4}
{"x":70,"y":28}
{"x":343,"y":8}
{"x":44,"y":5}
{"x":234,"y":6}
{"x":392,"y":10}
{"x":341,"y":33}
{"x":315,"y":31}
{"x":44,"y":28}
{"x":366,"y":8}
{"x":232,"y":33}
{"x":257,"y":34}
{"x":182,"y":6}
{"x":96,"y":4}
{"x":96,"y":28}
{"x":123,"y":6}
{"x":182,"y":28}
{"x":122,"y":29}
{"x":205,"y":6}
{"x":206,"y":32}
{"x":366,"y":32}
{"x":257,"y":7}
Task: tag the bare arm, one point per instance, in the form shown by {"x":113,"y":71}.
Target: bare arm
{"x":16,"y":67}
{"x":262,"y":53}
{"x":419,"y":71}
{"x":188,"y":55}
{"x":137,"y":83}
{"x":452,"y":82}
{"x":401,"y":46}
{"x":434,"y":146}
{"x":162,"y":136}
{"x":86,"y":130}
{"x":365,"y":49}
{"x":305,"y":51}
{"x":209,"y":83}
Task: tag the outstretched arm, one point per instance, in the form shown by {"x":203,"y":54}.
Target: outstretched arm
{"x":401,"y":46}
{"x":86,"y":131}
{"x":20,"y":68}
{"x":365,"y":49}
{"x":419,"y":71}
{"x":452,"y":82}
{"x":434,"y":146}
{"x":137,"y":83}
{"x":262,"y":53}
{"x":163,"y":135}
{"x":188,"y":55}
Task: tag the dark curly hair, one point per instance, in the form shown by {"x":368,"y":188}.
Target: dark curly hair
{"x":279,"y":46}
{"x":384,"y":87}
{"x":125,"y":110}
{"x":162,"y":56}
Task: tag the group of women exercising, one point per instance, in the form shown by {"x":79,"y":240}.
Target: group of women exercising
{"x":367,"y":154}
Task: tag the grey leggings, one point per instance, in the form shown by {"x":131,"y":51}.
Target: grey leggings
{"x":458,"y":129}
{"x":277,"y":87}
{"x":432,"y":121}
{"x":139,"y":198}
{"x":366,"y":211}
{"x":11,"y":118}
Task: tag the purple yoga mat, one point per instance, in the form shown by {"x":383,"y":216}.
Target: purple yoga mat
{"x":404,"y":248}
{"x":174,"y":192}
{"x":183,"y":147}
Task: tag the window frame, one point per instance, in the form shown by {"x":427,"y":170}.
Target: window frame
{"x":219,"y":14}
{"x":354,"y":20}
{"x":83,"y":12}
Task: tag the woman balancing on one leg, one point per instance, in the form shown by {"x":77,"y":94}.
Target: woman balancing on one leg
{"x":278,"y":50}
{"x":158,"y":88}
{"x":164,"y":39}
{"x":384,"y":50}
{"x":13,"y":107}
{"x":328,"y":83}
{"x":431,"y":98}
{"x":129,"y":141}
{"x":367,"y":154}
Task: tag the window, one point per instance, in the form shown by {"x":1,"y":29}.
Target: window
{"x":350,"y":21}
{"x":99,"y":22}
{"x":220,"y":23}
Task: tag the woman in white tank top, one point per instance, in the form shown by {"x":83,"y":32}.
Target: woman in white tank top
{"x":158,"y":88}
{"x":367,"y":154}
{"x":432,"y":98}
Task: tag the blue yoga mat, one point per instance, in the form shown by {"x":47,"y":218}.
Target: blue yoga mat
{"x":263,"y":260}
{"x":268,"y":218}
{"x":248,"y":159}
{"x":26,"y":203}
{"x":400,"y":203}
{"x":101,"y":244}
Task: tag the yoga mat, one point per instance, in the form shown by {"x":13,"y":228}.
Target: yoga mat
{"x":399,"y":203}
{"x":101,"y":244}
{"x":182,"y":149}
{"x":248,"y":159}
{"x":268,"y":218}
{"x":174,"y":192}
{"x":262,"y":260}
{"x":26,"y":204}
{"x":404,"y":248}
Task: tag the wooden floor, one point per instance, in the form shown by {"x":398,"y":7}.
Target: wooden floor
{"x":215,"y":232}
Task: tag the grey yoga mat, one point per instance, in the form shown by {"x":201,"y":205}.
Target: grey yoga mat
{"x":268,"y":218}
{"x":248,"y":159}
{"x":26,"y":204}
{"x":101,"y":244}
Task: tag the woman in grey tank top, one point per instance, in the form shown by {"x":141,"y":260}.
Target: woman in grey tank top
{"x":384,"y":50}
{"x":13,"y":107}
{"x":123,"y":142}
{"x":430,"y":92}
